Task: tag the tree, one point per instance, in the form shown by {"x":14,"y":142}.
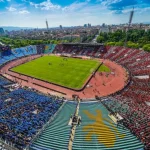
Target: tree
{"x":111,"y":43}
{"x":119,"y":43}
{"x":132,"y":45}
{"x":147,"y":47}
{"x":136,"y":39}
{"x":100,"y":39}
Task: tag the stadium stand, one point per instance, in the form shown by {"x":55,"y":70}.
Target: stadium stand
{"x":6,"y":54}
{"x":79,"y":49}
{"x":40,"y":49}
{"x":57,"y":130}
{"x":18,"y":52}
{"x":135,"y":114}
{"x":29,"y":50}
{"x":49,"y":48}
{"x":15,"y":111}
{"x":24,"y":112}
{"x":138,"y":89}
{"x":136,"y":94}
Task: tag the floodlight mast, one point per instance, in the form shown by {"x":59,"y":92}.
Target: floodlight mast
{"x":47,"y":27}
{"x":128,"y":27}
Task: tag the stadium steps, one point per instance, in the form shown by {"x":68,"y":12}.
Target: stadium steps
{"x":129,"y":142}
{"x":56,"y":135}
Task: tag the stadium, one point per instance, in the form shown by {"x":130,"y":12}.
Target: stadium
{"x":74,"y":96}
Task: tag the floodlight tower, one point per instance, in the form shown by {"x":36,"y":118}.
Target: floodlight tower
{"x":129,"y":24}
{"x":47,"y":24}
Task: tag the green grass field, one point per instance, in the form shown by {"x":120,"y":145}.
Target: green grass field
{"x":70,"y":73}
{"x":104,"y":68}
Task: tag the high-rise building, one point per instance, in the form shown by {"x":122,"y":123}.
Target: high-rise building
{"x":60,"y":27}
{"x":85,"y":25}
{"x":89,"y":25}
{"x":103,"y":25}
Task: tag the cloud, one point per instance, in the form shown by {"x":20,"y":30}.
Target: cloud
{"x":125,"y":11}
{"x":11,"y":9}
{"x":143,"y":10}
{"x":124,"y":6}
{"x":46,"y":5}
{"x":108,"y":2}
{"x":77,"y":13}
{"x":24,"y":12}
{"x":75,"y":6}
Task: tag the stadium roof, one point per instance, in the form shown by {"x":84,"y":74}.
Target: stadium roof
{"x":85,"y":44}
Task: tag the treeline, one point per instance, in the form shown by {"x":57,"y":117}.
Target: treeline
{"x":16,"y":43}
{"x":135,"y":39}
{"x":87,"y":39}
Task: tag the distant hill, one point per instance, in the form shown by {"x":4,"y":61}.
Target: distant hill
{"x":10,"y":28}
{"x":146,"y":22}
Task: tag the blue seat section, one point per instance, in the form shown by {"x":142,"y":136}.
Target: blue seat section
{"x":56,"y":135}
{"x":29,"y":50}
{"x":5,"y":54}
{"x":18,"y":52}
{"x":23,"y":113}
{"x":34,"y":51}
{"x":25,"y":51}
{"x":4,"y":81}
{"x":5,"y":59}
{"x":9,"y":55}
{"x":2,"y":61}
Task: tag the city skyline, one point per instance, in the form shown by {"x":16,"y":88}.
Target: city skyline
{"x":30,"y":13}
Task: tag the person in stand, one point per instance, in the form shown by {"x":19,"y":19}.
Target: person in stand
{"x":79,"y":121}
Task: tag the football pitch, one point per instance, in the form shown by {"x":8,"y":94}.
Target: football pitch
{"x":68,"y":72}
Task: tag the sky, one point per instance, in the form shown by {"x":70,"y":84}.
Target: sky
{"x":33,"y":13}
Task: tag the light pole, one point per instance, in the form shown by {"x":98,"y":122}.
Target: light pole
{"x":129,"y":24}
